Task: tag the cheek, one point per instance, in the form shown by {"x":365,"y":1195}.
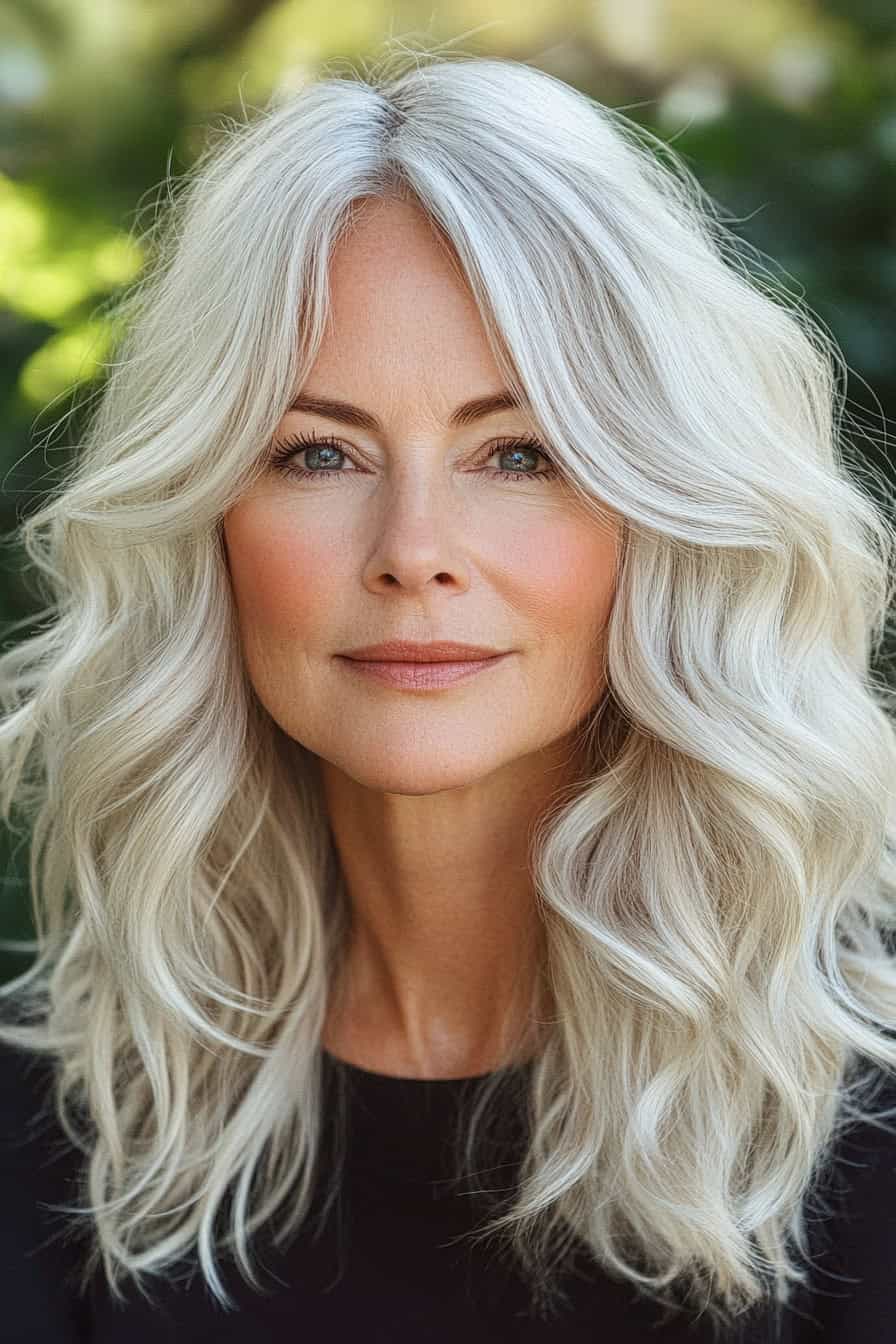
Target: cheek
{"x":279,"y":579}
{"x":566,"y":579}
{"x":559,"y":572}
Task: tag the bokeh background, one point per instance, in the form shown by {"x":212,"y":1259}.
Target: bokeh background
{"x":785,"y":110}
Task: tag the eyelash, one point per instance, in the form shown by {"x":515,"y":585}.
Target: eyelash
{"x":280,"y":458}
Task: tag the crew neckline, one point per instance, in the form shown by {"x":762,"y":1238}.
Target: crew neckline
{"x":402,"y":1129}
{"x":394,"y":1078}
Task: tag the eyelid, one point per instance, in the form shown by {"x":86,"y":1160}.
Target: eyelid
{"x":294,"y":445}
{"x":310,"y":438}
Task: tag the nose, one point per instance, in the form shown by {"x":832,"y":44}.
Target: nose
{"x":417,"y":540}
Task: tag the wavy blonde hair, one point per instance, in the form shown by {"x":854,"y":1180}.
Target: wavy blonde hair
{"x":717,"y":891}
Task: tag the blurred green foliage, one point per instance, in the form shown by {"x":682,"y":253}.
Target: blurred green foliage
{"x":785,"y":110}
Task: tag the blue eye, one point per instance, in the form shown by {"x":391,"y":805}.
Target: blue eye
{"x":327,"y":451}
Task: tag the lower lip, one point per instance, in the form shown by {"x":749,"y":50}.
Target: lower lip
{"x":422,"y":676}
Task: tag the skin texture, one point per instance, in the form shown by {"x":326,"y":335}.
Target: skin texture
{"x":430,"y":795}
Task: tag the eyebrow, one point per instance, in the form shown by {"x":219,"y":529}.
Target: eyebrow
{"x":347,"y":414}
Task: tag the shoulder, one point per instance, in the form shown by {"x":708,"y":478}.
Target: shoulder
{"x":34,"y":1147}
{"x":851,"y":1228}
{"x":860,"y":1180}
{"x":31,"y":1137}
{"x":33,"y":1144}
{"x":25,"y":1090}
{"x":39,"y":1169}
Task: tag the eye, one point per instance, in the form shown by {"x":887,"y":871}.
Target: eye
{"x":325,"y":454}
{"x":525,"y":447}
{"x":326,"y":449}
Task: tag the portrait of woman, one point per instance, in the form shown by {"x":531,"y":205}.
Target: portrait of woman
{"x":458,"y":785}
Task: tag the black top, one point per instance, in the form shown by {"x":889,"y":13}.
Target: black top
{"x":382,"y":1270}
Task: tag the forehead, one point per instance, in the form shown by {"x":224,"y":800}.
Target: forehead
{"x":402,"y":323}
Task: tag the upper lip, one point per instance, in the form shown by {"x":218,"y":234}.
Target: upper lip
{"x":406,"y":651}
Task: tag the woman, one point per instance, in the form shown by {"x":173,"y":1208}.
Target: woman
{"x":572,"y":947}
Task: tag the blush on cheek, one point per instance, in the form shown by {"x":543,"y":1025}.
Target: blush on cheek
{"x":572,"y":573}
{"x":278,"y":578}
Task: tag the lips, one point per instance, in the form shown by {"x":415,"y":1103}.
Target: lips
{"x":414,"y":676}
{"x":408,"y":651}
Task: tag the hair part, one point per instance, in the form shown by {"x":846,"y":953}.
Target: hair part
{"x":718,"y":890}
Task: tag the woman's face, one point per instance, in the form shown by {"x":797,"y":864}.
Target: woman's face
{"x":409,"y":532}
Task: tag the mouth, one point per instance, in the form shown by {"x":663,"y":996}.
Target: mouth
{"x":420,"y":676}
{"x":410,"y":651}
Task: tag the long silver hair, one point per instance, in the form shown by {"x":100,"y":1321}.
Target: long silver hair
{"x":717,"y":892}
